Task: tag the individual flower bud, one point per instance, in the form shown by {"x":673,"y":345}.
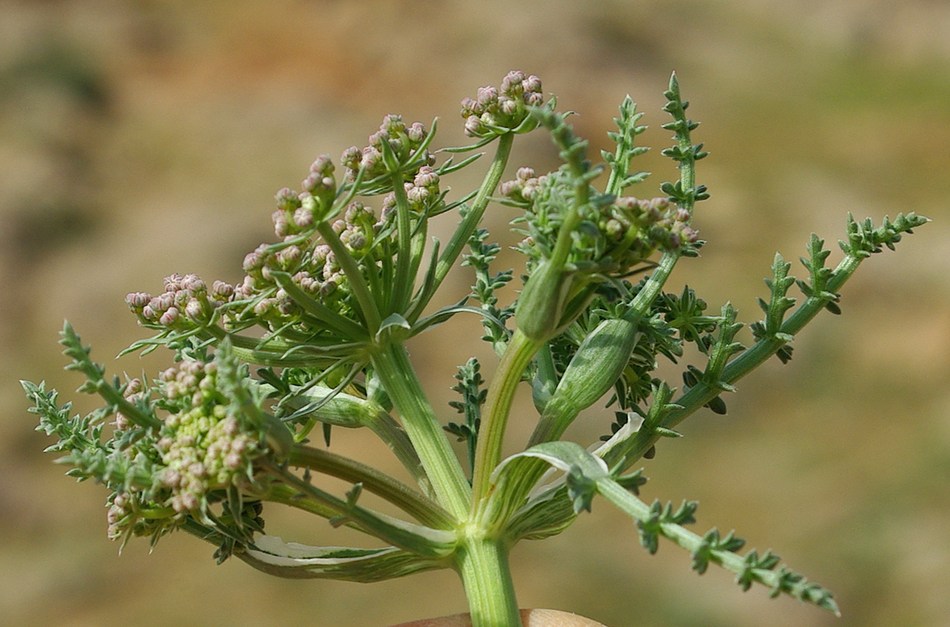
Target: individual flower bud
{"x":416,"y":132}
{"x":354,"y":211}
{"x":417,"y":196}
{"x":508,"y":106}
{"x":470,"y":107}
{"x":322,"y":165}
{"x":525,"y":173}
{"x":288,"y":257}
{"x":303,"y":218}
{"x":531,"y":84}
{"x":486,"y":96}
{"x":351,"y":158}
{"x":330,"y":285}
{"x":194,"y":309}
{"x":265,"y":307}
{"x":370,"y":158}
{"x":353,"y":239}
{"x":311,"y":182}
{"x":473,"y":126}
{"x":172,"y":283}
{"x":510,"y":188}
{"x":282,"y":227}
{"x":169,"y":317}
{"x":286,"y":199}
{"x":137,"y":301}
{"x":321,"y":253}
{"x":376,"y":139}
{"x":534,"y":99}
{"x":511,"y":84}
{"x":392,"y":124}
{"x":426,"y":177}
{"x":221,"y":290}
{"x":193,"y":284}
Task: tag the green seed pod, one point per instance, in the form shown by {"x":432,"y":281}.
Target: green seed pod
{"x":541,"y":303}
{"x":598,"y":363}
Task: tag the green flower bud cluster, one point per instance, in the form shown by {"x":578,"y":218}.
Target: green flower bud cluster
{"x":128,"y":516}
{"x":202,"y":445}
{"x":201,"y":449}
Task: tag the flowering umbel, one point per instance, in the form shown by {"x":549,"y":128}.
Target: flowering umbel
{"x":314,"y":334}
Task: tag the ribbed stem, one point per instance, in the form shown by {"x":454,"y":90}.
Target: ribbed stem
{"x":398,"y":377}
{"x":501,"y":394}
{"x":474,"y":216}
{"x":486,"y":576}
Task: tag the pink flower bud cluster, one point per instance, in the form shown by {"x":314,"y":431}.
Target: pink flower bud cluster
{"x":297,"y":212}
{"x":499,"y":110}
{"x":524,"y":187}
{"x":125,"y":517}
{"x":422,"y":192}
{"x":186,"y":301}
{"x":402,"y":140}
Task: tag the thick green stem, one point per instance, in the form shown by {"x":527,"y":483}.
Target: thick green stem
{"x":442,"y":467}
{"x":501,"y":394}
{"x":483,"y":566}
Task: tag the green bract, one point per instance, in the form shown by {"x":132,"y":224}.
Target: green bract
{"x":314,"y":336}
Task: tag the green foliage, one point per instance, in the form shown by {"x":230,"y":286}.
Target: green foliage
{"x":315,"y":333}
{"x":470,"y":388}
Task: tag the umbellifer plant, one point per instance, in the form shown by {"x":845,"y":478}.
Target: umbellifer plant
{"x":314,"y":338}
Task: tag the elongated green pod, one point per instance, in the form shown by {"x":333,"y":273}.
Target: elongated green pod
{"x":541,"y":303}
{"x":595,"y":367}
{"x":598,"y":362}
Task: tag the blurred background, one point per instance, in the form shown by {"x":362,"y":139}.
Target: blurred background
{"x":142,"y":138}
